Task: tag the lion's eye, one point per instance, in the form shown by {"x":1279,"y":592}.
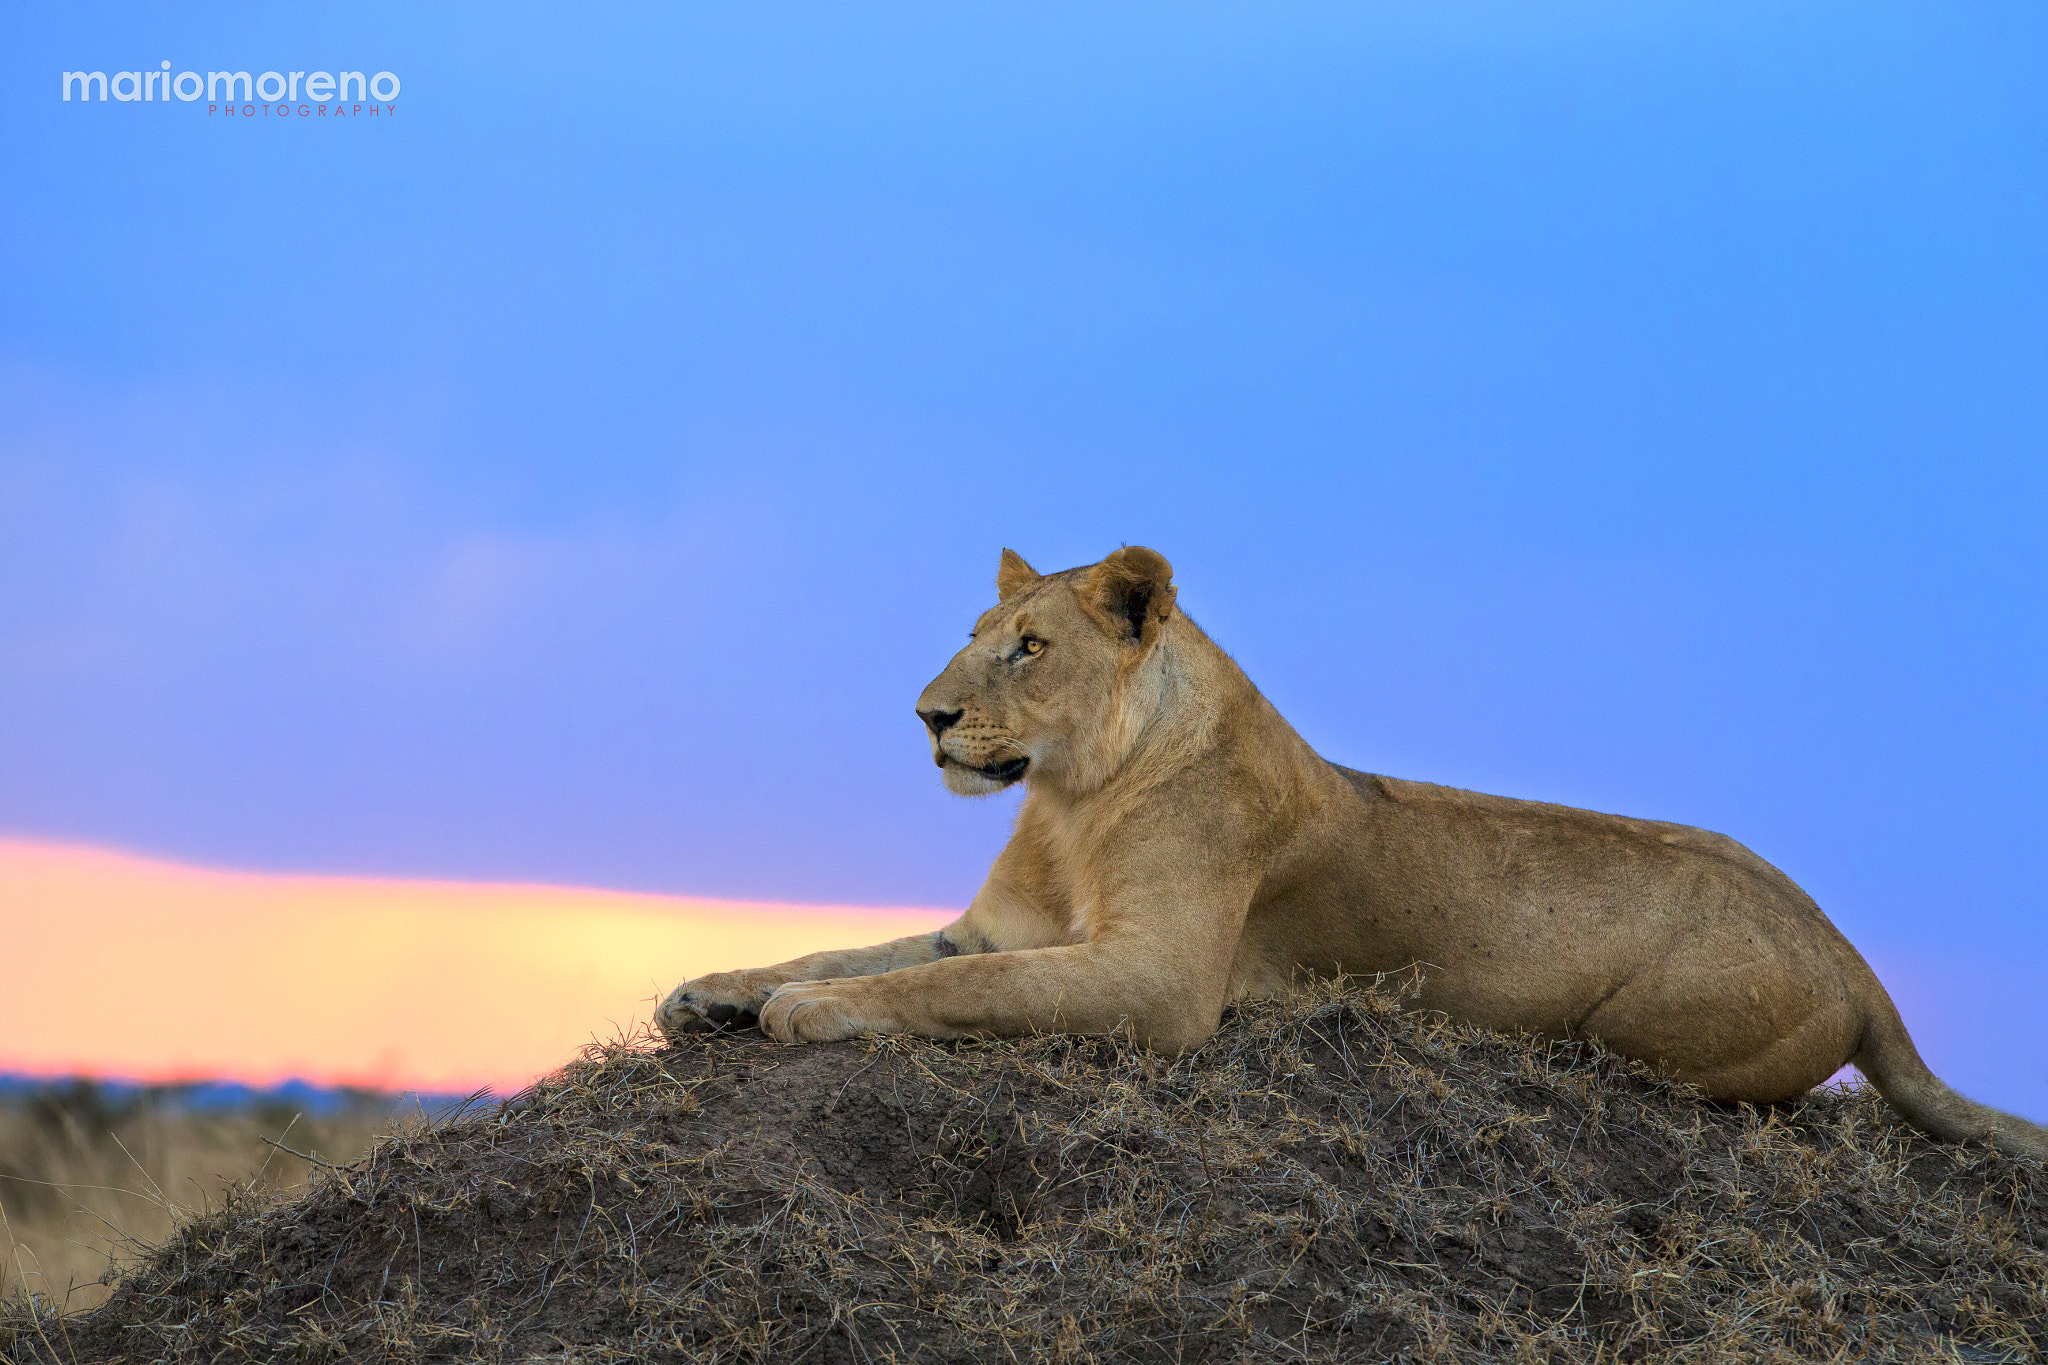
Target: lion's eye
{"x":1031,"y":644}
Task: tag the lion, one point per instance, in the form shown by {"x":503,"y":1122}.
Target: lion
{"x":1180,"y":848}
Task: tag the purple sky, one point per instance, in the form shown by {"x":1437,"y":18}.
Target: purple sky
{"x":574,"y":473}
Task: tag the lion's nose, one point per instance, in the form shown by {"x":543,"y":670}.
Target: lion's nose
{"x":939,"y":720}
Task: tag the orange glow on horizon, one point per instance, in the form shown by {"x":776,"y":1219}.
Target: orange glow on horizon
{"x":130,"y":967}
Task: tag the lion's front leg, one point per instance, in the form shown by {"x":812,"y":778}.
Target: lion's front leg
{"x":1169,"y":1002}
{"x":724,"y":1000}
{"x":718,"y":1000}
{"x":826,"y":1012}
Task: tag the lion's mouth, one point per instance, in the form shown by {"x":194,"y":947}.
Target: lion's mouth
{"x":1006,"y":772}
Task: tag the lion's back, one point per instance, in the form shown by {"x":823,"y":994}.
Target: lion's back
{"x":1599,"y":838}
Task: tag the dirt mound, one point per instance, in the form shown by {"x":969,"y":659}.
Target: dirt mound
{"x":1328,"y":1179}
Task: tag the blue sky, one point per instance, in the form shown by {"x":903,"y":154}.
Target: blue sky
{"x":575,"y":473}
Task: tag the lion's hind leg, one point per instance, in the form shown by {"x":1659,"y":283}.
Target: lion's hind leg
{"x":1790,"y":1066}
{"x":1743,"y":1033}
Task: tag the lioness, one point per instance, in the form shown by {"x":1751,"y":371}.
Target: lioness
{"x":1181,"y":847}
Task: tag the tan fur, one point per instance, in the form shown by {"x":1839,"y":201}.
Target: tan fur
{"x":1180,"y":847}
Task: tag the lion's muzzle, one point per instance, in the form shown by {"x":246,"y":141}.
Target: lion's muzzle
{"x":977,"y":755}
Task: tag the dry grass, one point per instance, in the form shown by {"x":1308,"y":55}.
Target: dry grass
{"x":1328,"y":1179}
{"x":89,"y":1176}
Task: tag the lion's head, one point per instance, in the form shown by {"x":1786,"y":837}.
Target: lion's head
{"x":1042,"y":688}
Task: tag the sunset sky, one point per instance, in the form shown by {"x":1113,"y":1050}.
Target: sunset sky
{"x":145,"y":970}
{"x":561,"y":486}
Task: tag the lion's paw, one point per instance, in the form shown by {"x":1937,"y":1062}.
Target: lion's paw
{"x":706,"y":1004}
{"x":818,"y":1012}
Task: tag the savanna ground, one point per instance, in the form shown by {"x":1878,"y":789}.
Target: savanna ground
{"x":91,"y":1174}
{"x":1328,"y":1179}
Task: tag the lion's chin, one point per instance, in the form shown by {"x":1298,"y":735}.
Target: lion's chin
{"x":962,"y":780}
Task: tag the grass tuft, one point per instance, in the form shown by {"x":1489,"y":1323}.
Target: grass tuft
{"x":91,"y":1174}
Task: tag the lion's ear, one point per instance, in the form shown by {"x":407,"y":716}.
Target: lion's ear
{"x":1130,"y":594}
{"x":1013,"y":575}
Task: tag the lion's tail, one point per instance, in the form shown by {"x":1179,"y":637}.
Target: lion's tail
{"x":1888,"y":1059}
